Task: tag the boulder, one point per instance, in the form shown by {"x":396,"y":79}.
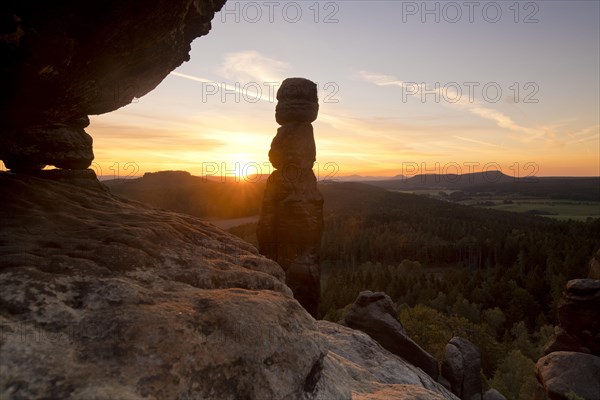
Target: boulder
{"x":493,"y":394}
{"x":461,"y":367}
{"x":374,"y":314}
{"x":578,"y":318}
{"x":563,"y":374}
{"x":356,"y":365}
{"x":296,"y":101}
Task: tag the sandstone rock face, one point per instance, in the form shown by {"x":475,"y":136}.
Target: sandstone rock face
{"x":562,"y":373}
{"x":105,"y":298}
{"x":357,"y":365}
{"x":579,"y":318}
{"x":374,"y":314}
{"x":62,"y":145}
{"x":62,"y":61}
{"x":291,"y":220}
{"x":461,"y":367}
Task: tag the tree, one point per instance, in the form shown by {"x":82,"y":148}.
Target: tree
{"x":515,"y":377}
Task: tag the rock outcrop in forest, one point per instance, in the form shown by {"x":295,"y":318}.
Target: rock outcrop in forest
{"x":291,"y":218}
{"x":374,"y":314}
{"x":571,"y":364}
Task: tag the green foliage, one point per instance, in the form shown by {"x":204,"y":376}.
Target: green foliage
{"x":573,"y":396}
{"x":514,"y":377}
{"x":432,"y":330}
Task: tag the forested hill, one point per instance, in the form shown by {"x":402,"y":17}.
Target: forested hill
{"x":364,"y":223}
{"x":198,"y":196}
{"x":491,"y":276}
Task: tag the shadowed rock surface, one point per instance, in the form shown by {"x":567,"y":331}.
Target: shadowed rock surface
{"x":493,"y":394}
{"x":62,"y":61}
{"x":461,"y":367}
{"x":108,"y":298}
{"x":374,"y":314}
{"x":565,"y":373}
{"x":291,"y":218}
{"x":572,"y":360}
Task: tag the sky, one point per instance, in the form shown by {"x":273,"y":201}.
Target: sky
{"x":404,"y":88}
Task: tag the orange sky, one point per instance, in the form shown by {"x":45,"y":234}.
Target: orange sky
{"x":388,"y":95}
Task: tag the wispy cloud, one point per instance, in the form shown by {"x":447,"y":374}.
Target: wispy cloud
{"x":380,"y":79}
{"x":591,"y":133}
{"x":248,"y":91}
{"x":469,"y":105}
{"x":243,"y":73}
{"x":476,"y":141}
{"x":251,"y":66}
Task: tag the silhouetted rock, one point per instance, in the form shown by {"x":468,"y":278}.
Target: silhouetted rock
{"x":106,"y":298}
{"x":374,"y":314}
{"x":79,"y":177}
{"x":563,"y":374}
{"x":493,"y":394}
{"x":297,"y":101}
{"x":291,"y":219}
{"x":578,"y":318}
{"x":62,"y":61}
{"x":461,"y":367}
{"x":61,"y":145}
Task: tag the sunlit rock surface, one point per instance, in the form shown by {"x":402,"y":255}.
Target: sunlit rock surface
{"x":357,"y":362}
{"x":105,"y":298}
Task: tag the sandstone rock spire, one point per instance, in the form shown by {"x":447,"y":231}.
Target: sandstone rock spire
{"x":291,"y":220}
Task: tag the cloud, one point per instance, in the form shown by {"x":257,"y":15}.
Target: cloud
{"x":380,"y":80}
{"x":475,"y":141}
{"x":591,"y":133}
{"x":472,"y":106}
{"x":248,"y":89}
{"x":251,"y":66}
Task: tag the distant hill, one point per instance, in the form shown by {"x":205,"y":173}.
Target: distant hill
{"x":182,"y":192}
{"x":443,"y":181}
{"x":574,"y":188}
{"x":361,"y":178}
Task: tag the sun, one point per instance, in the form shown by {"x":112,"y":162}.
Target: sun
{"x":243,"y":167}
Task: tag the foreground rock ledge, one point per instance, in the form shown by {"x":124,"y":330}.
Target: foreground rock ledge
{"x":103,"y":297}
